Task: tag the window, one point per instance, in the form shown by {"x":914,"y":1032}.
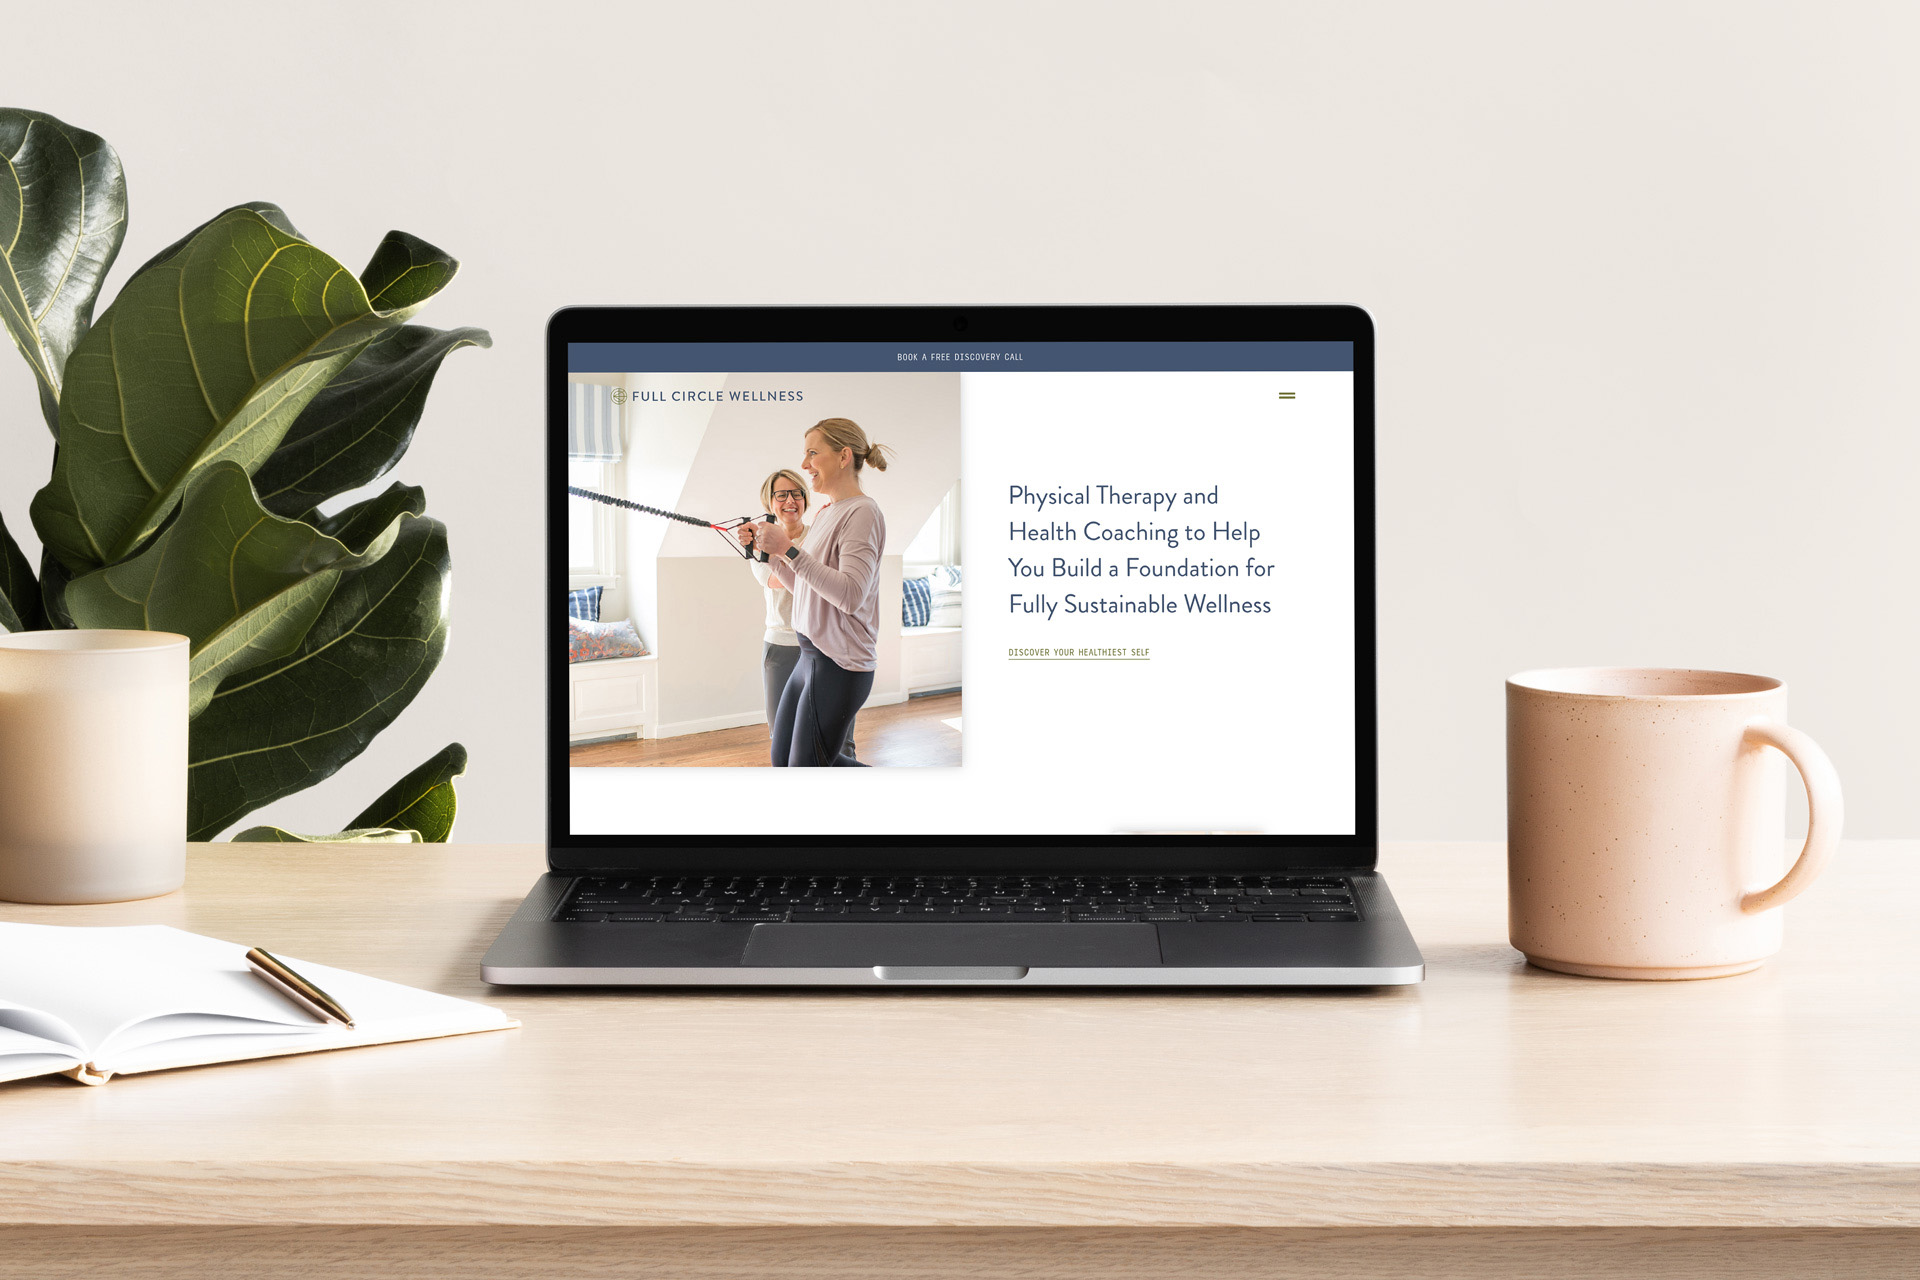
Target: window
{"x":590,"y":525}
{"x":938,"y":541}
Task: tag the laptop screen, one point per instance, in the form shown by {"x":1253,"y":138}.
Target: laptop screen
{"x":1047,"y":588}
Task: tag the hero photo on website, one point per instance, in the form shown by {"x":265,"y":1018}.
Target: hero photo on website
{"x":1041,"y":588}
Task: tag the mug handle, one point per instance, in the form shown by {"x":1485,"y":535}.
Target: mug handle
{"x":1825,"y":811}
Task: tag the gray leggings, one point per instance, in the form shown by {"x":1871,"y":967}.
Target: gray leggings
{"x":776,"y":665}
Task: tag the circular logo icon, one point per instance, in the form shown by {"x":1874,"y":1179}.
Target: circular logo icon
{"x":619,"y":395}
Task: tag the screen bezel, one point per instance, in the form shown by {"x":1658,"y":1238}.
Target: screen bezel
{"x":762,"y":853}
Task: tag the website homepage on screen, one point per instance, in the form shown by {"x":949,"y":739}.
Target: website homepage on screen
{"x":1040,"y":588}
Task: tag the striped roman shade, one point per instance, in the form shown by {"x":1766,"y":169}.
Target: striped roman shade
{"x":593,"y":423}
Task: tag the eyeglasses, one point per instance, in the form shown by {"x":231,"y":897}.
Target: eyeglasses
{"x":782,"y":494}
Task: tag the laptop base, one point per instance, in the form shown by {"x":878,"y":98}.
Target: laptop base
{"x":535,"y":950}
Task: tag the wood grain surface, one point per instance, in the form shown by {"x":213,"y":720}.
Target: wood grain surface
{"x":910,"y":734}
{"x":830,"y":1253}
{"x":1491,"y":1096}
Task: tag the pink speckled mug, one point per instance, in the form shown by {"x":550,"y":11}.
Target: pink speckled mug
{"x":1645,"y":817}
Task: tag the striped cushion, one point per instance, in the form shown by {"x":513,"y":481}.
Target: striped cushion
{"x":584,"y":604}
{"x":916,"y":602}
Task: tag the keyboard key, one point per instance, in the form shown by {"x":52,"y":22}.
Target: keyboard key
{"x":1089,"y":899}
{"x":1214,"y":917}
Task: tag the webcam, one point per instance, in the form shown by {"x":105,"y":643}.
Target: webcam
{"x":959,"y":324}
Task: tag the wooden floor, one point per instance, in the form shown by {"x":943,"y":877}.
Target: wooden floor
{"x":907,"y":734}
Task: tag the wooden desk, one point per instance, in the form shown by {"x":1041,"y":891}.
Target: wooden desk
{"x":1496,"y":1120}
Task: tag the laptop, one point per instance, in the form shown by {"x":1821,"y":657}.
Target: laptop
{"x":1076,"y":603}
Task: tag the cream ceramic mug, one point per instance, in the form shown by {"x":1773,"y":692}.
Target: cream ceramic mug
{"x":1645,"y":820}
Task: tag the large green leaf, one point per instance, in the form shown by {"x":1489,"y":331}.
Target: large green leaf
{"x":243,"y":585}
{"x":206,"y":356}
{"x":53,"y":590}
{"x":20,"y":608}
{"x":419,"y":807}
{"x":368,"y":835}
{"x":272,"y":213}
{"x":63,"y":212}
{"x":358,"y":523}
{"x":405,"y":272}
{"x":424,"y":800}
{"x":288,"y":724}
{"x":354,"y":431}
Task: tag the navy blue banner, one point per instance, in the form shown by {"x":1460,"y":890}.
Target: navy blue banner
{"x":965,"y":357}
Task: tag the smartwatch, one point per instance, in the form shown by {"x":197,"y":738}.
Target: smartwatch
{"x":793,"y":553}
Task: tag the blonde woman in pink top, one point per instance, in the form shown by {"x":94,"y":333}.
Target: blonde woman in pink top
{"x":836,"y":596}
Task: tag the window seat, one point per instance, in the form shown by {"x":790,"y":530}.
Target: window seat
{"x":613,"y":698}
{"x":929,"y":658}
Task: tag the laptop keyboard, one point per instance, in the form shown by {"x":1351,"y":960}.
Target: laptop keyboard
{"x":775,"y":899}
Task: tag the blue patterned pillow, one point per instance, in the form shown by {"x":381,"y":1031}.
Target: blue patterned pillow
{"x":584,"y":604}
{"x":916,"y":602}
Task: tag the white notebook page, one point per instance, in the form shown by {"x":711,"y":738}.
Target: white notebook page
{"x":148,"y":997}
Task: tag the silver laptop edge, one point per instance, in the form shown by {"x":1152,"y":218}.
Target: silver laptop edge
{"x":538,"y":948}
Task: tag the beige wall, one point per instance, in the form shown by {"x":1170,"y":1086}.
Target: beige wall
{"x":1644,"y":275}
{"x":711,"y":622}
{"x":711,"y":635}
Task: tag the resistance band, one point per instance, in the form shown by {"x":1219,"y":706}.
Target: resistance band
{"x":724,"y":528}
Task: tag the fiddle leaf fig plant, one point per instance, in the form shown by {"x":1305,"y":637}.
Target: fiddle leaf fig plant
{"x":64,"y":200}
{"x":242,"y":379}
{"x":418,"y":808}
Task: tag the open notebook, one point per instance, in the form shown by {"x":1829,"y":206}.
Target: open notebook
{"x":92,"y":1003}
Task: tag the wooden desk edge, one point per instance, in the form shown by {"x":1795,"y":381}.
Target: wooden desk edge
{"x":670,"y":1194}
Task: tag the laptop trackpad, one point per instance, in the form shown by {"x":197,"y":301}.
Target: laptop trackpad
{"x":1032,"y":946}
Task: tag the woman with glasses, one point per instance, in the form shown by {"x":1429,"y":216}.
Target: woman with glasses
{"x":784,"y":494}
{"x":835,"y":580}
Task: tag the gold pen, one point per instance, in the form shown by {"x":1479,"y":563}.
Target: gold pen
{"x":296,"y":988}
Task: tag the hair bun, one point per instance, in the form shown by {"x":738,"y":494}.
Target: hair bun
{"x":845,"y":433}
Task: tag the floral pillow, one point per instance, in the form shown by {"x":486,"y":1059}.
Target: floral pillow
{"x":591,"y":641}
